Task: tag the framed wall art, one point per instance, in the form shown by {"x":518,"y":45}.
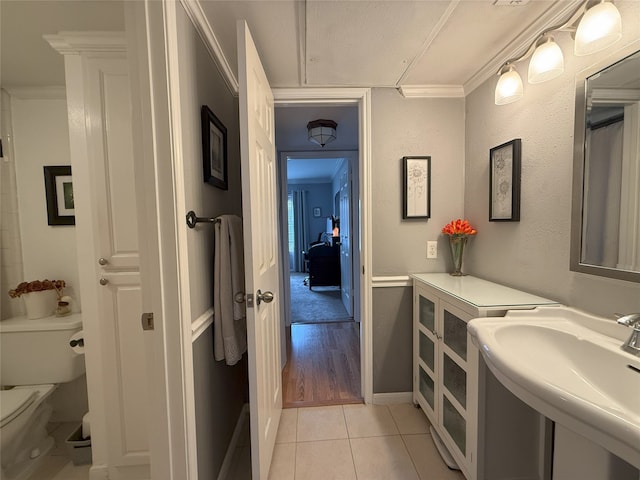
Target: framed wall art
{"x":214,"y":149}
{"x":416,"y":187}
{"x":504,"y":182}
{"x":58,"y":186}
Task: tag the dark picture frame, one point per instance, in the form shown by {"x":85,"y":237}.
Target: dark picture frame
{"x":214,"y":149}
{"x":504,"y":182}
{"x":416,"y":187}
{"x":58,"y":186}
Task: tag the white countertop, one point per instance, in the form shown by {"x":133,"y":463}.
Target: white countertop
{"x":481,"y":293}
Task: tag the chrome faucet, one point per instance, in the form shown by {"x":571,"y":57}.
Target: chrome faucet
{"x":632,"y":345}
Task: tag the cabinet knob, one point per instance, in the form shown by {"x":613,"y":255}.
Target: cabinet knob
{"x":103,"y":261}
{"x":104,"y":281}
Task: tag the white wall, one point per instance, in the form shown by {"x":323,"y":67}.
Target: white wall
{"x":414,"y":127}
{"x":533,"y":254}
{"x":41,"y":137}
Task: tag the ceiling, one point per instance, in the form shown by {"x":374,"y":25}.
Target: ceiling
{"x":371,"y":43}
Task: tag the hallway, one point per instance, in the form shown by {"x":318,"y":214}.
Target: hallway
{"x":323,"y":365}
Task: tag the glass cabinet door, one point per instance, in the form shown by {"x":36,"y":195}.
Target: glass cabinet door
{"x":452,"y":360}
{"x":425,"y":353}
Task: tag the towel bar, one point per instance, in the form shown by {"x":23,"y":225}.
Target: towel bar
{"x":192,"y":219}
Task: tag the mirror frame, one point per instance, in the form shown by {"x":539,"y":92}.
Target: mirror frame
{"x":578,"y":170}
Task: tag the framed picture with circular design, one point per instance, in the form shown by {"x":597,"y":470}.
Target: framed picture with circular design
{"x":504,"y":182}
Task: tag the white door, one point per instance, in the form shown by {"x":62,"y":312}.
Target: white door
{"x":346,"y":267}
{"x":101,"y":146}
{"x":257,"y":148}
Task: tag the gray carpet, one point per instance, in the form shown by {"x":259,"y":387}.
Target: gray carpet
{"x":320,"y":305}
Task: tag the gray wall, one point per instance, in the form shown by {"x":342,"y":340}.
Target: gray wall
{"x":533,"y":254}
{"x":405,"y":127}
{"x":220,"y":390}
{"x":318,"y":195}
{"x":409,"y":127}
{"x":392,"y":339}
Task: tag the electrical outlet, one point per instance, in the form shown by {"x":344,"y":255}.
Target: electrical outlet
{"x":432,"y":249}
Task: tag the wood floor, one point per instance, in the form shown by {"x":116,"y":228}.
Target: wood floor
{"x":323,"y":365}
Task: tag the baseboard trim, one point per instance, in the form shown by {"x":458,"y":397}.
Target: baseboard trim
{"x":233,"y":444}
{"x":392,"y":398}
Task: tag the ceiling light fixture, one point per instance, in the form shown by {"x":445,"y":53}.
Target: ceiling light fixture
{"x":596,"y":24}
{"x":322,"y":131}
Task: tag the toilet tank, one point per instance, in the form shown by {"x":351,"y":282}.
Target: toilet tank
{"x":37,"y":351}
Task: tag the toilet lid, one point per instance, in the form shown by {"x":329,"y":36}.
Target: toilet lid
{"x":14,"y":402}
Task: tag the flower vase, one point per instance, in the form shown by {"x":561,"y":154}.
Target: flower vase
{"x":40,"y":304}
{"x":457,"y":244}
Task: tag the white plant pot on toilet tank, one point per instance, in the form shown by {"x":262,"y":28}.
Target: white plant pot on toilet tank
{"x":40,"y":304}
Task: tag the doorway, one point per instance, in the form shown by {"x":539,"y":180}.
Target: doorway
{"x":321,"y":313}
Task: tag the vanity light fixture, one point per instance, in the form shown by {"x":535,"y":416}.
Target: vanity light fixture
{"x":599,"y":27}
{"x":547,"y":61}
{"x":322,"y":131}
{"x":596,"y":24}
{"x":509,"y":87}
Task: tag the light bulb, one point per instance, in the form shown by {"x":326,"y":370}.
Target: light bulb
{"x":547,"y":61}
{"x":599,"y":27}
{"x":509,"y":87}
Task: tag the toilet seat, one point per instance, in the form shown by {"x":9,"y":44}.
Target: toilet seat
{"x":14,"y":402}
{"x":18,"y":399}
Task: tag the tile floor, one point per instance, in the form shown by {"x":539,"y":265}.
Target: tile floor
{"x":351,"y":442}
{"x":343,"y":442}
{"x":57,"y":465}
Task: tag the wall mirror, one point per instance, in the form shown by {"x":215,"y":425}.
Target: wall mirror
{"x":605,"y":232}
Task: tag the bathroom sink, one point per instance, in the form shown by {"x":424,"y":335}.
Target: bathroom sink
{"x":569,"y":366}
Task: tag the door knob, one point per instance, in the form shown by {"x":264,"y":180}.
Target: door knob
{"x":103,"y":261}
{"x":266,"y":297}
{"x":103,"y":281}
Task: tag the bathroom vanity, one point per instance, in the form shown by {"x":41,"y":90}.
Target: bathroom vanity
{"x":476,"y":421}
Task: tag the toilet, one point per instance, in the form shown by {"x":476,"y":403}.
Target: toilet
{"x":35,"y":356}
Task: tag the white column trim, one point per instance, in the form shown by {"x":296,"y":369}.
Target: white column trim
{"x":38,"y":93}
{"x":362,"y":98}
{"x":432,"y":91}
{"x":201,"y":23}
{"x":74,"y":43}
{"x":200,"y":324}
{"x":391,"y":281}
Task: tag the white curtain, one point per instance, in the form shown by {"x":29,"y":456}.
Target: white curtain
{"x":601,"y":217}
{"x":10,"y":244}
{"x":301,"y":229}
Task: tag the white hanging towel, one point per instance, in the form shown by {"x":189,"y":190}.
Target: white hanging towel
{"x":230,"y":317}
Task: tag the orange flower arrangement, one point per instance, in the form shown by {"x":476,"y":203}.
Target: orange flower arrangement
{"x":38,"y":286}
{"x":459,"y":227}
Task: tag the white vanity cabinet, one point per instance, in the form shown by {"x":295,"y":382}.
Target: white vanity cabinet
{"x":446,"y":364}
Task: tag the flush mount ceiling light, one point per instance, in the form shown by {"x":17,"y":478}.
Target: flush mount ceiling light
{"x":596,"y":25}
{"x":509,"y":87}
{"x":322,"y":131}
{"x":599,"y":27}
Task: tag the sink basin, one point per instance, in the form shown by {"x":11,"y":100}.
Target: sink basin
{"x":568,"y":365}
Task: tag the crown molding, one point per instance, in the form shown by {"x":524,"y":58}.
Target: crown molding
{"x":37,"y":93}
{"x":201,"y":23}
{"x":556,"y":14}
{"x":432,"y":91}
{"x":74,"y":43}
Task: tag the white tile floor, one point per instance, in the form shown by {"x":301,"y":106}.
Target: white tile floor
{"x":351,"y":442}
{"x":343,"y":442}
{"x":57,"y":465}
